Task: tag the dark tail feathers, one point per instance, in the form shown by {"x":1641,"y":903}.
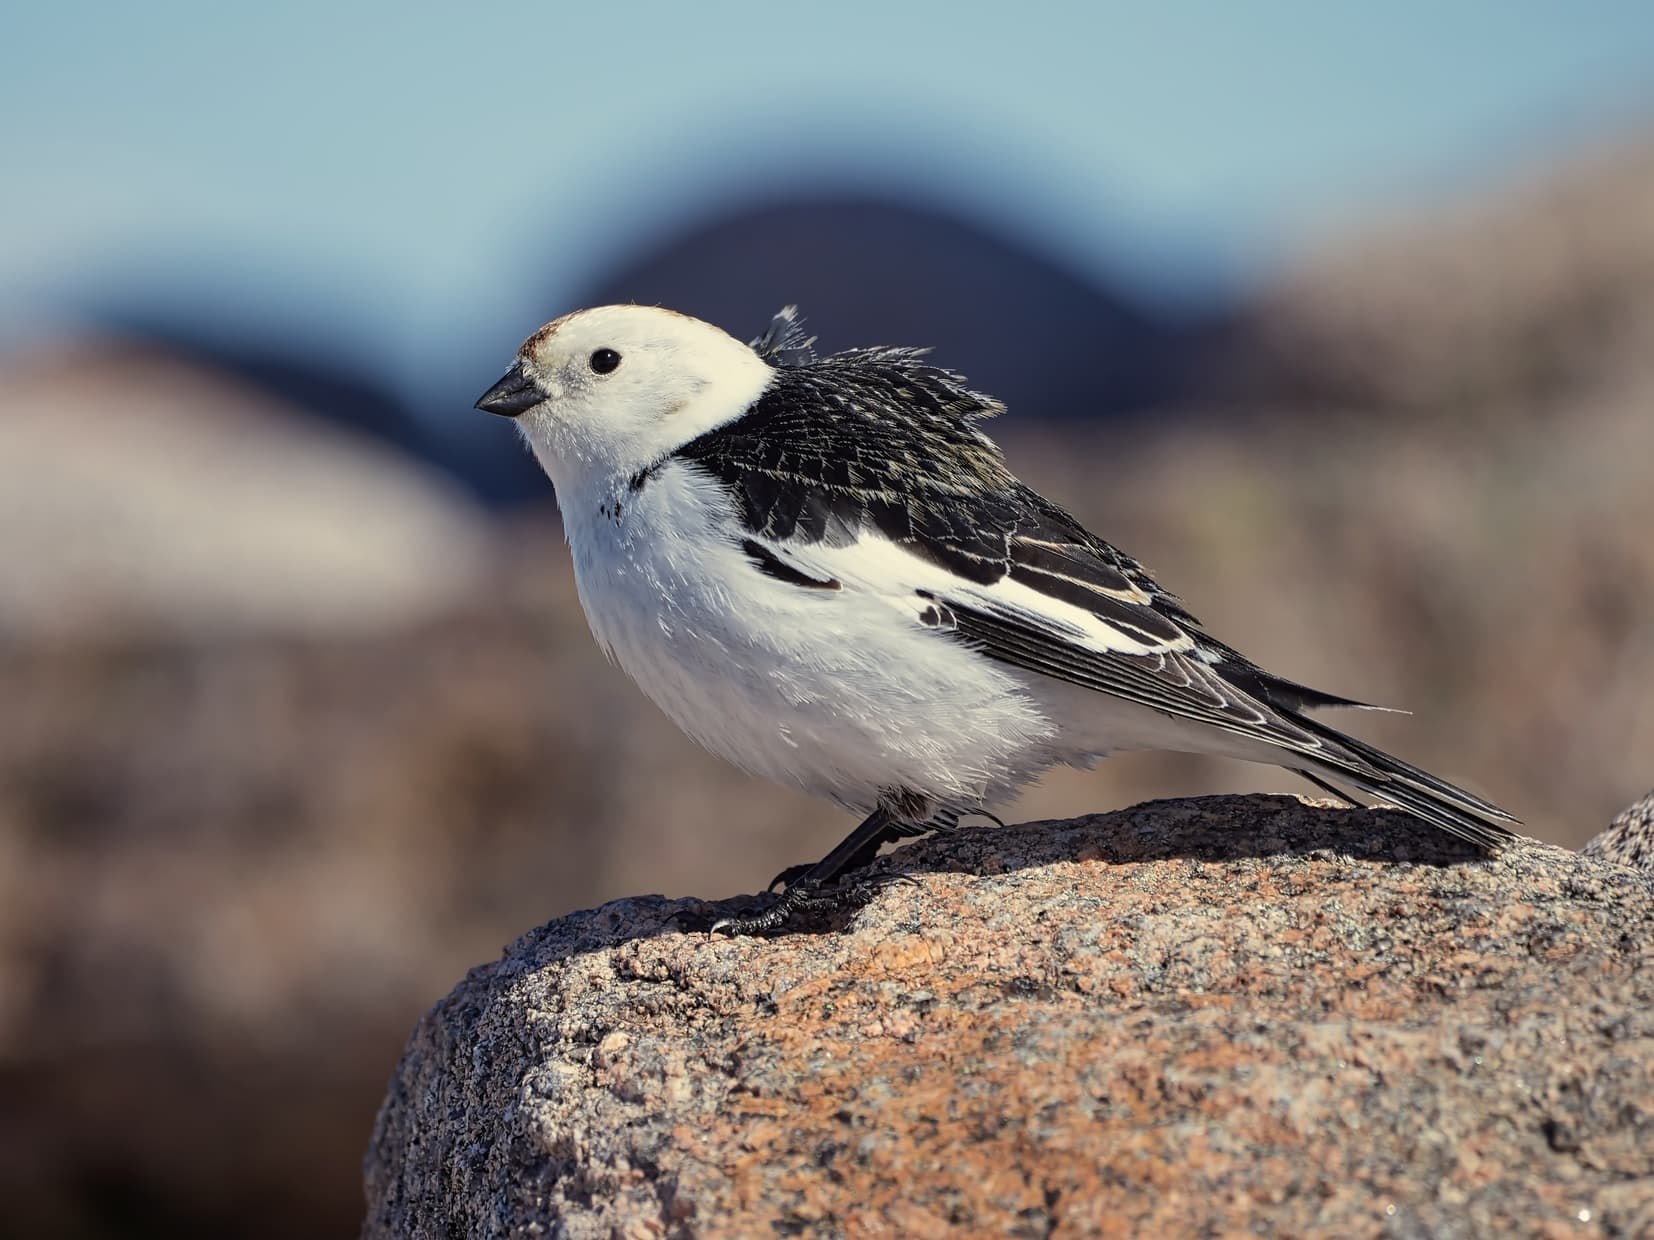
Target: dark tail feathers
{"x":1388,"y":779}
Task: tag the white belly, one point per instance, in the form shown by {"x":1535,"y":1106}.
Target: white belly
{"x":831,"y":691}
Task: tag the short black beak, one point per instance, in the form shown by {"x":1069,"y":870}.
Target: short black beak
{"x":515,"y":393}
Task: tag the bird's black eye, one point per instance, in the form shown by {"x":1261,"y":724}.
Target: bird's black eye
{"x":604,"y":361}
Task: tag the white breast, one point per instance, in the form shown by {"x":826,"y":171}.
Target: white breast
{"x":839,"y":692}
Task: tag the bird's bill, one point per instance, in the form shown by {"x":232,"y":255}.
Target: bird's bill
{"x":515,"y":393}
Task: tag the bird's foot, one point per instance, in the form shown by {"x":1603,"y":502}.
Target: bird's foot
{"x":855,"y":893}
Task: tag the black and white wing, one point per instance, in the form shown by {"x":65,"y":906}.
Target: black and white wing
{"x":868,"y":470}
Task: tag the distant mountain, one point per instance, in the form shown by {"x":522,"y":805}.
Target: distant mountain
{"x":1024,"y":327}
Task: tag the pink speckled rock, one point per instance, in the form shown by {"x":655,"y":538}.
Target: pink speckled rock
{"x":1228,"y":1015}
{"x":1629,"y":839}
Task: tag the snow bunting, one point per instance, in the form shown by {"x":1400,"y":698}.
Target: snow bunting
{"x":823,"y":571}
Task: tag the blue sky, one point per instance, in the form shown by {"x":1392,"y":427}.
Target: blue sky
{"x":419,"y":169}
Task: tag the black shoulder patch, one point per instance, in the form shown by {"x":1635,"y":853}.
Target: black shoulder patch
{"x":870,"y":439}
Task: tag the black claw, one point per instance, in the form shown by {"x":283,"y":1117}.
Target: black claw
{"x":801,"y":899}
{"x":772,"y":918}
{"x":823,"y":885}
{"x":759,"y":924}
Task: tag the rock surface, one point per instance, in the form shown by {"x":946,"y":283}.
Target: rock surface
{"x":1629,"y":839}
{"x":1237,"y":1014}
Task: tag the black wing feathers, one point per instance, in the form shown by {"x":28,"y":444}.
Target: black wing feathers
{"x":784,"y":342}
{"x":874,"y":439}
{"x":1182,"y":685}
{"x":1173,"y":683}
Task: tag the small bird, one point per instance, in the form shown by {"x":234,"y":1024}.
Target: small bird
{"x":824,"y":572}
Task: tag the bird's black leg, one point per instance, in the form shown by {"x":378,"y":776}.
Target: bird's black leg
{"x":860,"y":859}
{"x":809,"y":887}
{"x":903,"y":821}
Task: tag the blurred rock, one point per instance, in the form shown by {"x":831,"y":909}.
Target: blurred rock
{"x":1629,"y":839}
{"x":138,"y":490}
{"x":235,"y":867}
{"x":1491,"y":309}
{"x":1244,"y":1015}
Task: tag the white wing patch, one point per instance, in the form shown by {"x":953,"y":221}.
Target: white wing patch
{"x":908,"y":582}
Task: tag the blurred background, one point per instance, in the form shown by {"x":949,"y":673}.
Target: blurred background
{"x":1341,"y":318}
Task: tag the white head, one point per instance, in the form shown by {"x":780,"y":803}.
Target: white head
{"x":601,"y":394}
